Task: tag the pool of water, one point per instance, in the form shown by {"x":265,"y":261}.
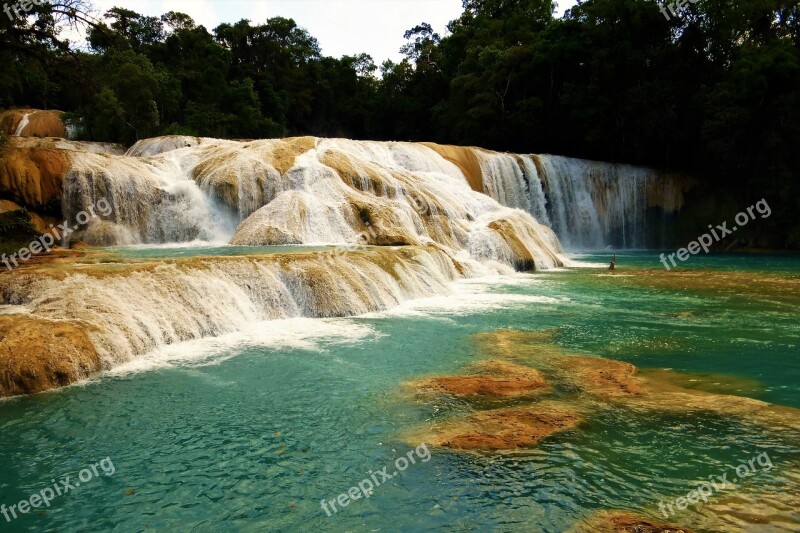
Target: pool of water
{"x":251,"y":431}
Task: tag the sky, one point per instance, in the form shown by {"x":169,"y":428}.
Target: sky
{"x":342,"y":27}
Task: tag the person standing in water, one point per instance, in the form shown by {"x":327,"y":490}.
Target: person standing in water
{"x":613,"y":263}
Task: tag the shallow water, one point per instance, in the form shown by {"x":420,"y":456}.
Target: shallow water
{"x":250,"y":431}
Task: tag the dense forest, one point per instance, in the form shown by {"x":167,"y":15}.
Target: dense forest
{"x":713,"y":91}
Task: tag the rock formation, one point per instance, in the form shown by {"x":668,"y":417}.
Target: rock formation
{"x":32,"y":123}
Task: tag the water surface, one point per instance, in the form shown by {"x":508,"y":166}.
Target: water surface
{"x":249,"y":432}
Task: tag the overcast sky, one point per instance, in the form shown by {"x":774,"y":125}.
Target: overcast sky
{"x":343,"y":27}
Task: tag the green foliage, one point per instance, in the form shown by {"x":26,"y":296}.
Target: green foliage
{"x":15,"y":221}
{"x":16,"y":231}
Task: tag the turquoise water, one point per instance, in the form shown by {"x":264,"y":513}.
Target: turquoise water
{"x":253,"y":434}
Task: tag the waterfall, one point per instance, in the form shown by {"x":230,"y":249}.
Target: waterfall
{"x":418,"y":211}
{"x":589,"y":204}
{"x":324,"y":191}
{"x":308,"y":191}
{"x":23,"y":124}
{"x":139,"y":309}
{"x":153,"y":201}
{"x":573,"y":211}
{"x":538,"y":201}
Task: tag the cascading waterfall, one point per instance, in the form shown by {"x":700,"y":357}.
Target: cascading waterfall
{"x":421,"y":213}
{"x":26,"y":119}
{"x":538,"y":201}
{"x":428,"y":215}
{"x":305,"y":191}
{"x":573,"y":211}
{"x":140,"y":309}
{"x":153,"y":201}
{"x":589,"y":204}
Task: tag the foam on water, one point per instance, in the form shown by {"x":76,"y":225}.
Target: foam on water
{"x":294,"y":333}
{"x":472,"y":296}
{"x":463,"y":297}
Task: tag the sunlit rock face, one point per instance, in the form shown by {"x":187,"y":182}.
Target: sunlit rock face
{"x":32,"y":173}
{"x":33,"y":123}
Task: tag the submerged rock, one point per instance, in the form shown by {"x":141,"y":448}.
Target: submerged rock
{"x":583,"y":384}
{"x":623,"y":522}
{"x":604,"y":380}
{"x":602,"y":377}
{"x":493,"y":379}
{"x":505,"y":429}
{"x":518,"y":345}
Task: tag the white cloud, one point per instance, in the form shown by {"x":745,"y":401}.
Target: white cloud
{"x":563,"y":5}
{"x":348,"y":27}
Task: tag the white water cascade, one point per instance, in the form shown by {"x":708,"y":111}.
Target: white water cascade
{"x":589,"y":204}
{"x":153,"y":201}
{"x":23,"y":124}
{"x":303,"y":191}
{"x":400,"y":222}
{"x":141,"y":309}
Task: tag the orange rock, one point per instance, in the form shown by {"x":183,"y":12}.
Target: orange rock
{"x":32,"y":176}
{"x":610,"y":381}
{"x":37,"y":355}
{"x":8,"y":207}
{"x":505,"y":429}
{"x":497,"y":379}
{"x":602,"y":377}
{"x":466,"y":159}
{"x":40,"y":123}
{"x":516,"y":231}
{"x":623,"y":522}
